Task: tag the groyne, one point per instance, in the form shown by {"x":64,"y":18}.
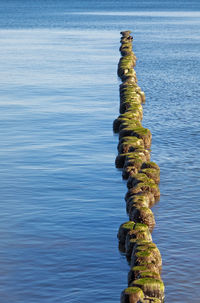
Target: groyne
{"x":143,"y":176}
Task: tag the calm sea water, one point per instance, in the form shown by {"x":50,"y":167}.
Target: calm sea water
{"x":62,"y":200}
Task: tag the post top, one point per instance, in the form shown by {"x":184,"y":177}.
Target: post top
{"x":125,"y":33}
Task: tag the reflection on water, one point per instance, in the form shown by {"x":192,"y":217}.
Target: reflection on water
{"x":62,"y":200}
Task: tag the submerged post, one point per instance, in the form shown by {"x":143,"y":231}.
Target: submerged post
{"x":143,"y":176}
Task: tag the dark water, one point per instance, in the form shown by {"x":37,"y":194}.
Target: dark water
{"x":61,"y":196}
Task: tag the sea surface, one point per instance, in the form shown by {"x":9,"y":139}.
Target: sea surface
{"x":62,"y":199}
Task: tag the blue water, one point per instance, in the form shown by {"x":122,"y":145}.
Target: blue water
{"x":62,"y":200}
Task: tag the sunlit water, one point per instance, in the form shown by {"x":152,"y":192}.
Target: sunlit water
{"x":62,"y":200}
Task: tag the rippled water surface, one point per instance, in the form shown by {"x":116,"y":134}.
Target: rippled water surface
{"x":62,"y":200}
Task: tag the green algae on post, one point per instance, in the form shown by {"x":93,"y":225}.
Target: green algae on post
{"x":151,"y":287}
{"x":133,"y":237}
{"x":141,"y":200}
{"x":138,"y":272}
{"x":136,"y":196}
{"x":151,"y":173}
{"x":138,"y":178}
{"x":143,"y":215}
{"x":146,"y":256}
{"x":147,"y":186}
{"x":129,"y":145}
{"x":123,"y":230}
{"x":132,"y":295}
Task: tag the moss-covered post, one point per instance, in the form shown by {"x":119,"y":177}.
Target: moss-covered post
{"x":143,"y":176}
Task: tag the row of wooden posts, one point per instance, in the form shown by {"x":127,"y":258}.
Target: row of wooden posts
{"x":143,"y":176}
